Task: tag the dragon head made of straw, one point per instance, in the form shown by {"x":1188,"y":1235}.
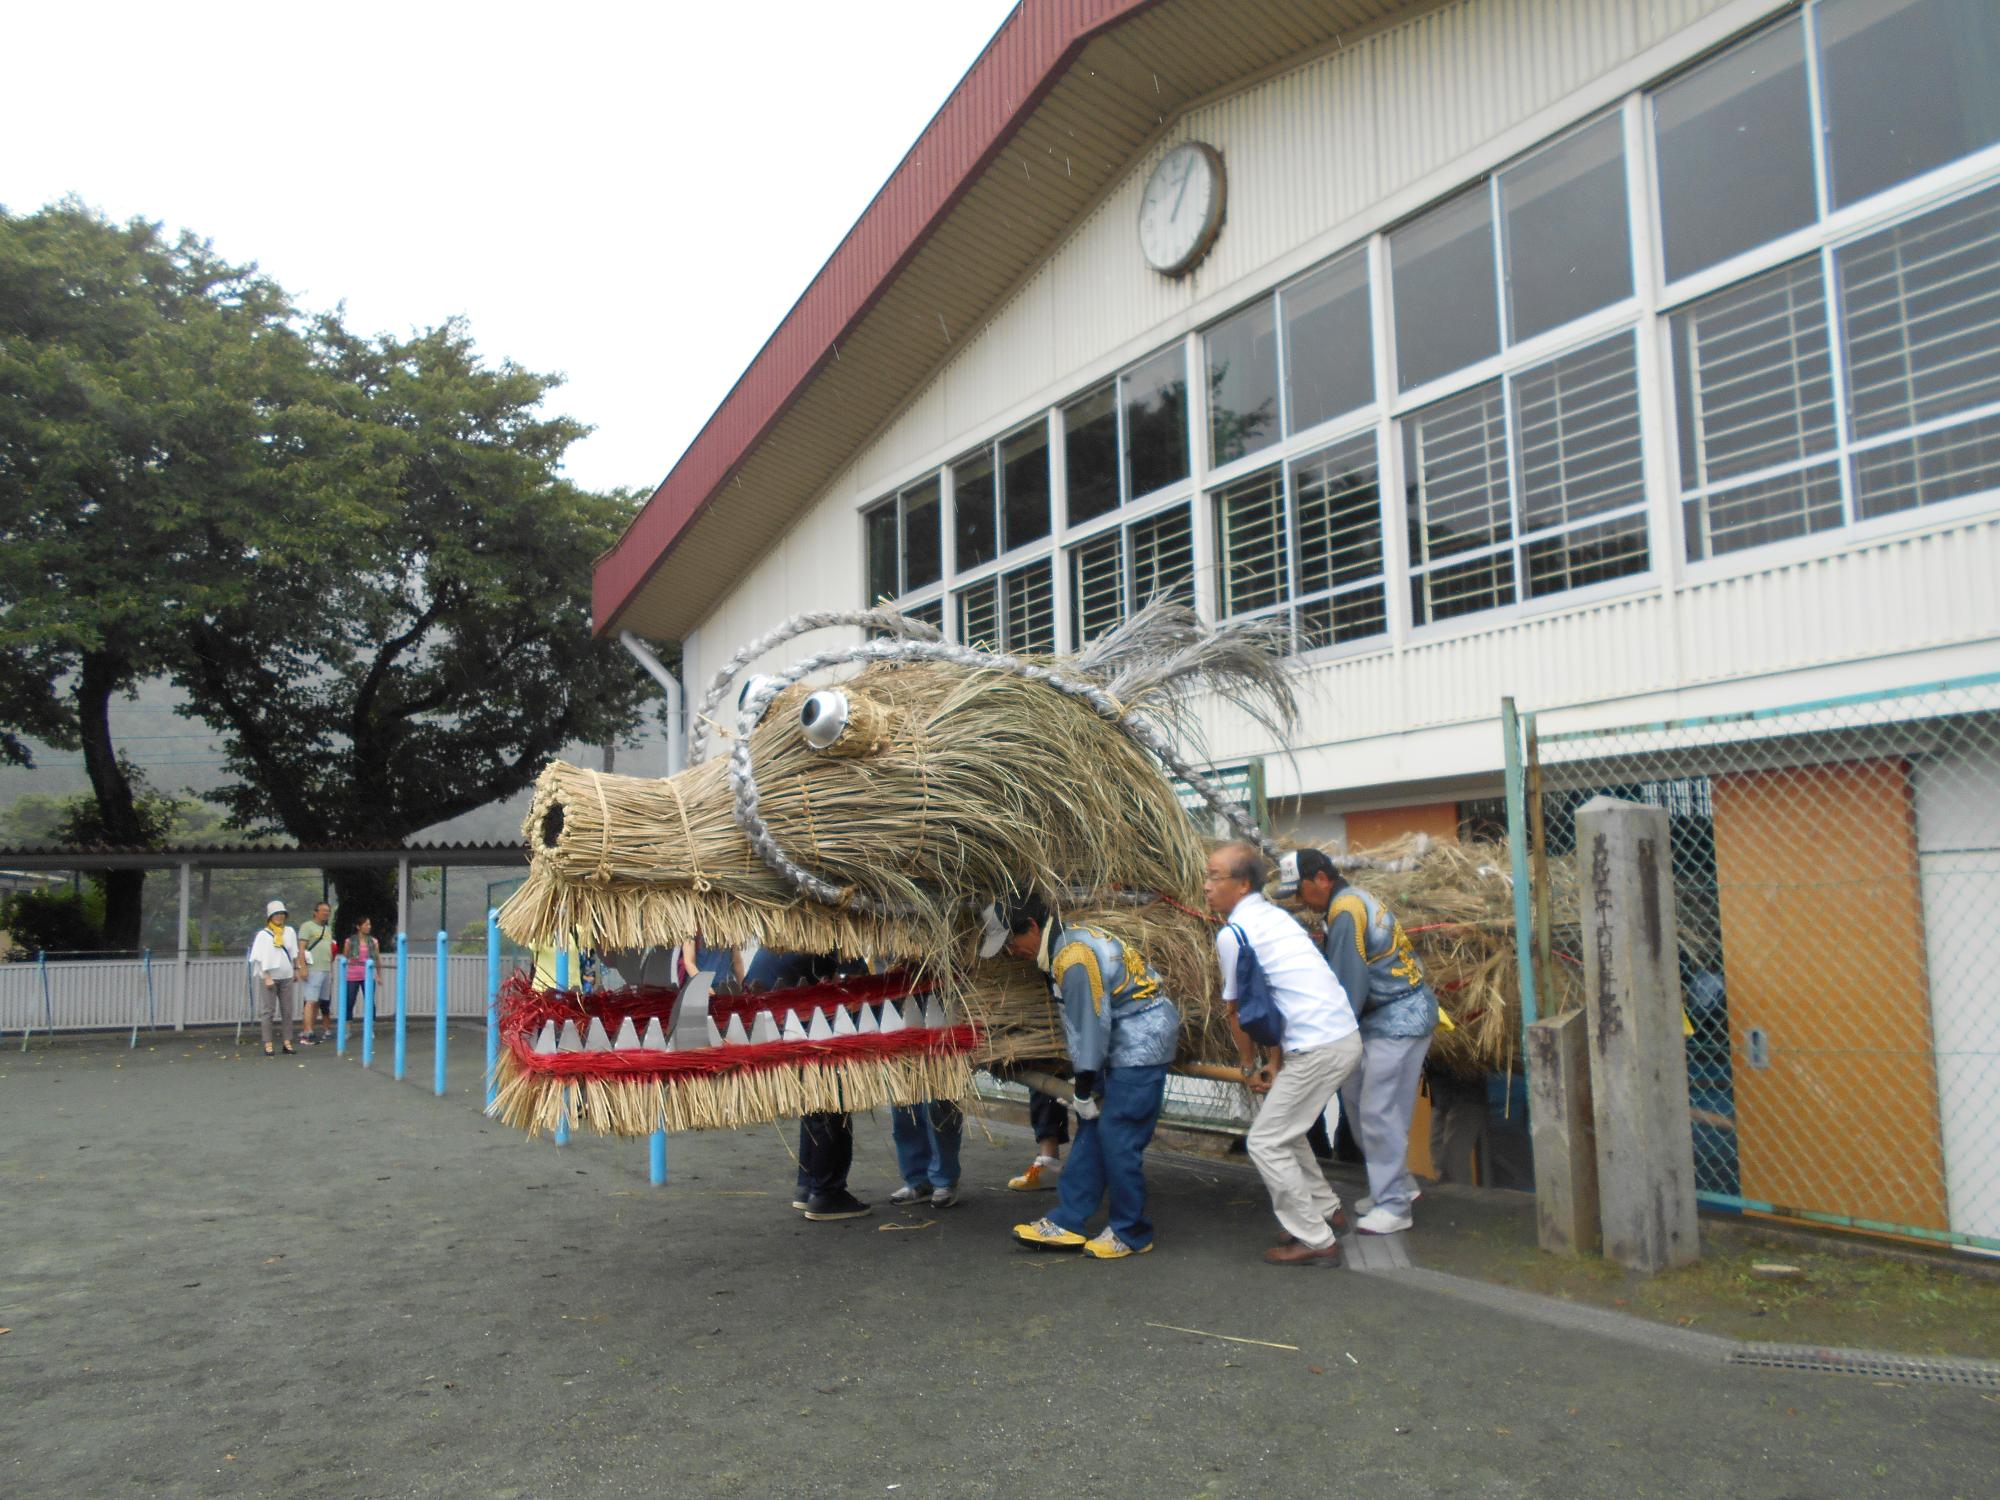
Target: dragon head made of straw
{"x":873,"y":819}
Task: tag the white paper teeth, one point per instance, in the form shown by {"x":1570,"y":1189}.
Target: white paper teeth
{"x":572,"y":1040}
{"x":795,"y":1029}
{"x":714,"y":1032}
{"x":763,"y":1029}
{"x":913,"y":1015}
{"x":656,"y":1037}
{"x":866,"y":1024}
{"x":843,"y":1021}
{"x":892,"y":1018}
{"x":934,"y":1014}
{"x":821,"y":1030}
{"x":736,"y":1036}
{"x":596,"y":1040}
{"x":628,"y":1037}
{"x":545,"y":1044}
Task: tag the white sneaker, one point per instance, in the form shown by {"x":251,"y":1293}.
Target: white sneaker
{"x":1367,"y":1205}
{"x":1383,"y":1221}
{"x":904,"y":1196}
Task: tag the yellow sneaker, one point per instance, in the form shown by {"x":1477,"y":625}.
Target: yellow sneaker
{"x":1107,"y":1246}
{"x":1047,"y":1234}
{"x":1039,"y":1178}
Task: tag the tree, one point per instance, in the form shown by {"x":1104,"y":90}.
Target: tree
{"x":145,"y":386}
{"x":435,"y":647}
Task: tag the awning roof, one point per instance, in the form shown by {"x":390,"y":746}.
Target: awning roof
{"x":257,"y":856}
{"x":1052,"y":113}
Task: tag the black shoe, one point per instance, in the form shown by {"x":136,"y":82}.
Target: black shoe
{"x":840,"y":1205}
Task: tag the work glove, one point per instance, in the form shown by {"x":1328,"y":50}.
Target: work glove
{"x":1086,"y":1105}
{"x":1086,"y":1108}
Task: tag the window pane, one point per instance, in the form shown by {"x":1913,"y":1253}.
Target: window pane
{"x":1920,"y":306}
{"x":1442,"y":273}
{"x":923,"y":551}
{"x":932,"y":613}
{"x":1031,"y":610}
{"x":1243,"y":382}
{"x":1567,"y":249}
{"x":1250,"y":530}
{"x":1024,"y":487}
{"x":1753,"y":382}
{"x":1943,"y":465}
{"x":973,"y":493}
{"x":1345,"y":617}
{"x":1156,"y":441}
{"x":1908,"y":85}
{"x":1764,"y":510}
{"x":1590,"y":554}
{"x":883,"y":578}
{"x":1329,"y":345}
{"x":1456,"y":454}
{"x":1576,"y":420}
{"x":1340,"y":515}
{"x":1735,"y":151}
{"x":979,"y":616}
{"x":1463,"y":588}
{"x":1090,"y":454}
{"x":1097,"y":588}
{"x":1163,"y":557}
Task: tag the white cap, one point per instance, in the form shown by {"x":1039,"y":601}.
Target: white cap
{"x":273,"y":908}
{"x":994,"y":938}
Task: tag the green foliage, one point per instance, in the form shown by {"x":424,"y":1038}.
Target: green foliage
{"x":65,"y":922}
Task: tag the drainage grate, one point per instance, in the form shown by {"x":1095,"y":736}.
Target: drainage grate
{"x":1979,"y":1374}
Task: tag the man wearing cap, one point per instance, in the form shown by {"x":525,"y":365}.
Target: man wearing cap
{"x":1371,"y":956}
{"x":1298,"y":1079}
{"x":275,"y":960}
{"x":1121,"y":1031}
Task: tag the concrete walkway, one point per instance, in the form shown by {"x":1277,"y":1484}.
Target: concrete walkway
{"x":231,"y":1276}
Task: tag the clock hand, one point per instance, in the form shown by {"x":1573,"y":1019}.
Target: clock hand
{"x":1186,"y":173}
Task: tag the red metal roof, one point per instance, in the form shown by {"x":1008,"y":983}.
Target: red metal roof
{"x":1019,"y":66}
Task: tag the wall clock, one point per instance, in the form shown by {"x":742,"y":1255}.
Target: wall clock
{"x":1181,"y":209}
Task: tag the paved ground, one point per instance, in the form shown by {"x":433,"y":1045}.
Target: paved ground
{"x":231,"y":1276}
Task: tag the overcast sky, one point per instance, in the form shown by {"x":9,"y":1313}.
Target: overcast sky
{"x":629,"y":194}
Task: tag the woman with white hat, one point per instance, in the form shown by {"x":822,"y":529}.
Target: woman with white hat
{"x":274,"y":957}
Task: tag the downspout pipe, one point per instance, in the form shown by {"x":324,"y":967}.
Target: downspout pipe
{"x":669,"y":684}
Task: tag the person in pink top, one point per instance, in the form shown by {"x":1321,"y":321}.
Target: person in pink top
{"x":356,"y":952}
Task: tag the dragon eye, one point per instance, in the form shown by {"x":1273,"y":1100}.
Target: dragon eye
{"x":823,"y":717}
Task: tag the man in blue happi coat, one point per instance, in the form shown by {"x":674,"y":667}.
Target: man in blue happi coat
{"x":1121,"y":1032}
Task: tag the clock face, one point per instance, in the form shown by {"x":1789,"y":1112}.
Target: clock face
{"x":1181,"y":209}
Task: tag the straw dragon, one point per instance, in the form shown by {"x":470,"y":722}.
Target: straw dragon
{"x":873,"y":818}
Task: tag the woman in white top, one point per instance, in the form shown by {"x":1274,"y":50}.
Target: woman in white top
{"x":274,"y":959}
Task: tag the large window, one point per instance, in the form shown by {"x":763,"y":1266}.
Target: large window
{"x":1243,"y":382}
{"x":1564,"y":211}
{"x":905,"y":550}
{"x":1024,"y":487}
{"x":1329,"y":343}
{"x":1442,"y":268}
{"x":1762,"y":435}
{"x":975,"y":502}
{"x":1127,"y":438}
{"x":1558,"y":505}
{"x":1125,"y":569}
{"x":1012,"y":611}
{"x":1303,"y":541}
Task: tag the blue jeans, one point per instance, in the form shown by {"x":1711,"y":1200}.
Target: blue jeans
{"x":1108,"y":1156}
{"x":926,"y":1137}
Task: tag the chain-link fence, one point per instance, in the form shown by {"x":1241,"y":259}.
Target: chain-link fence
{"x":1837,"y":885}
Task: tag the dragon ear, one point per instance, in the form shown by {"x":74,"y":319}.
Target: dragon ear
{"x":836,"y":721}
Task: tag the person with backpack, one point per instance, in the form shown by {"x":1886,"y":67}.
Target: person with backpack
{"x":1371,"y":955}
{"x":1298,"y":1040}
{"x":1121,"y":1031}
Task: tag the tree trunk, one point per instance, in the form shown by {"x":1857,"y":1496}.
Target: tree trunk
{"x":368,"y":892}
{"x":116,"y":807}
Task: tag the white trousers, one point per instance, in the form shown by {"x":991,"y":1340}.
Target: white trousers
{"x":1378,"y":1100}
{"x":1305,"y":1085}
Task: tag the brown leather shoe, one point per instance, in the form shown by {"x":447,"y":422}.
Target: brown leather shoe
{"x":1336,"y":1221}
{"x":1296,"y":1254}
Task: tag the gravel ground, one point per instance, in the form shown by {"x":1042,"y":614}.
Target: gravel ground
{"x":226,"y":1275}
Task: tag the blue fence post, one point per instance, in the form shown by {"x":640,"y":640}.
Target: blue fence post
{"x":562,"y":983}
{"x":1517,"y":852}
{"x":338,"y":984}
{"x":146,"y":964}
{"x":658,"y":1163}
{"x":402,"y":1009}
{"x":492,"y":1003}
{"x":367,"y":1012}
{"x":443,"y":974}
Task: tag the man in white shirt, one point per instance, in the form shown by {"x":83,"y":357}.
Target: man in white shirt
{"x":1322,"y":1046}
